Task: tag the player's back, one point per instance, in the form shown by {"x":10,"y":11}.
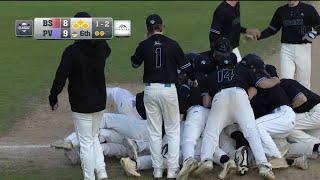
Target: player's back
{"x":160,"y":59}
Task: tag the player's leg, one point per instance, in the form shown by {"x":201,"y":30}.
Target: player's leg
{"x":308,"y":120}
{"x":278,"y":124}
{"x":237,"y":53}
{"x":171,"y":118}
{"x":110,"y":136}
{"x":128,"y":126}
{"x":303,"y":64}
{"x":114,"y":149}
{"x":100,"y":165}
{"x":243,"y":114}
{"x":218,"y":118}
{"x":287,"y":65}
{"x":193,"y":127}
{"x":154,"y":127}
{"x":83,"y":127}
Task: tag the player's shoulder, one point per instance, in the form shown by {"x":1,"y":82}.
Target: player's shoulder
{"x":306,"y":5}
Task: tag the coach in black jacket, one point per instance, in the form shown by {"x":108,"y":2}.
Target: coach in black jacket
{"x":83,"y":65}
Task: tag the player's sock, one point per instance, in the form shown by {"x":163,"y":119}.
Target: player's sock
{"x":224,"y":159}
{"x":316,"y":148}
{"x":240,"y":139}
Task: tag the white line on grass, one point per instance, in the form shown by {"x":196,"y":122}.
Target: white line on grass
{"x":24,"y":146}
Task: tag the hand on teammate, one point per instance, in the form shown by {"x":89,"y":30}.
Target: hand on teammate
{"x":53,"y":102}
{"x":193,"y":83}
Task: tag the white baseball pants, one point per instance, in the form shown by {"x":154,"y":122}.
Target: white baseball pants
{"x":195,"y":121}
{"x":237,"y":53}
{"x":128,"y":126}
{"x":278,"y":124}
{"x":161,"y":103}
{"x":91,"y":155}
{"x":295,"y":62}
{"x":123,"y":100}
{"x":224,"y":113}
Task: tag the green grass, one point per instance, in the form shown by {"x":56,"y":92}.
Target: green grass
{"x":27,"y":66}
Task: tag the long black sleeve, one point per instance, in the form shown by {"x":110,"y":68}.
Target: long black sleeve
{"x":243,"y":30}
{"x":274,"y":26}
{"x":315,"y":20}
{"x":183,"y":64}
{"x":137,"y":58}
{"x":63,"y":72}
{"x":183,"y":96}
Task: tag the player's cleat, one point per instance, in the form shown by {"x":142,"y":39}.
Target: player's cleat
{"x":172,"y":173}
{"x":228,"y":170}
{"x":62,"y":144}
{"x":266,"y":172}
{"x":131,"y":147}
{"x":203,"y":168}
{"x":102,"y":175}
{"x":278,"y":163}
{"x":188,"y":166}
{"x":241,"y":159}
{"x":157,"y":173}
{"x":73,"y":156}
{"x":129,"y":167}
{"x":301,"y":162}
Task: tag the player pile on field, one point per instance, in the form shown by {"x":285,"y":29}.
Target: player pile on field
{"x":198,"y":108}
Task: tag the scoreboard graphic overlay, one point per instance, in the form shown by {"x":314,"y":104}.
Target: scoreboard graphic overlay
{"x":73,"y":28}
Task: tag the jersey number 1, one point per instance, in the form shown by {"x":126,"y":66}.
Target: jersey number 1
{"x":158,"y":57}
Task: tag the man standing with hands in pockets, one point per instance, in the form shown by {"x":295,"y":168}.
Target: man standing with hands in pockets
{"x":161,"y":56}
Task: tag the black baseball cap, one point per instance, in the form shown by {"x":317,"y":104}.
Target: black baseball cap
{"x":253,"y":61}
{"x":82,"y":14}
{"x":222,"y":45}
{"x":153,"y":19}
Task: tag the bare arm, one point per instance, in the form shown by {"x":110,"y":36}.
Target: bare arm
{"x":252,"y":91}
{"x":206,"y":101}
{"x":299,"y":100}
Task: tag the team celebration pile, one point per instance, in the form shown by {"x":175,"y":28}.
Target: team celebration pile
{"x":197,"y":109}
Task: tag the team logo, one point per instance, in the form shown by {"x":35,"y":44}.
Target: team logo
{"x":157,"y":43}
{"x":203,"y":62}
{"x":226,"y":61}
{"x":122,"y":28}
{"x":302,"y":14}
{"x":24,"y":27}
{"x":152,"y":21}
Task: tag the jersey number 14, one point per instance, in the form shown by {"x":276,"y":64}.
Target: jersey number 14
{"x":225,"y":75}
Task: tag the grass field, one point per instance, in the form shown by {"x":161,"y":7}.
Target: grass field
{"x":27,"y":66}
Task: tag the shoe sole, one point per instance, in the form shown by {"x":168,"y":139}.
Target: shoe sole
{"x":202,"y":172}
{"x":122,"y":163}
{"x":242,"y":167}
{"x":184,"y":173}
{"x":230,"y":173}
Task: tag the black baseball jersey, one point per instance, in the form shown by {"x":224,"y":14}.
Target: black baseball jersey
{"x":220,"y":79}
{"x":226,"y":23}
{"x":293,"y":88}
{"x":268,"y":100}
{"x":161,"y":56}
{"x":294,"y":21}
{"x":140,"y":105}
{"x":188,"y":96}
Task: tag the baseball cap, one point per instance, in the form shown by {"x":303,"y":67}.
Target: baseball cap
{"x":153,"y":19}
{"x":82,"y":14}
{"x":222,"y":45}
{"x":253,"y":61}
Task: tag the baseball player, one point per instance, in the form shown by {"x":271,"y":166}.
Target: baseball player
{"x":274,"y":116}
{"x":83,"y":65}
{"x":304,"y":139}
{"x":161,"y":56}
{"x":226,"y":23}
{"x":296,"y":20}
{"x":228,"y":87}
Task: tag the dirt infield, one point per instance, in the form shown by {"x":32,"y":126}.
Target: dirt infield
{"x":42,"y":127}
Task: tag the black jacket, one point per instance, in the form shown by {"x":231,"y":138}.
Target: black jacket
{"x":83,"y":65}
